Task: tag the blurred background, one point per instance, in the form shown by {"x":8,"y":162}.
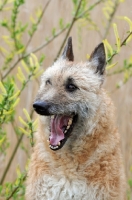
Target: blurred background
{"x":42,"y":27}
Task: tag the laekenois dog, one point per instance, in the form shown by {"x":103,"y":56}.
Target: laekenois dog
{"x":77,"y":152}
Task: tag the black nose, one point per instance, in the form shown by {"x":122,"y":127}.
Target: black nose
{"x":41,"y":107}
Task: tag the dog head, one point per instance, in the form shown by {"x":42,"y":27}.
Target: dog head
{"x":69,"y":94}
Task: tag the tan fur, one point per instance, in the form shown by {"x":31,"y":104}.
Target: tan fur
{"x":89,"y":168}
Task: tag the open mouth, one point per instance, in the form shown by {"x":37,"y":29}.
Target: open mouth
{"x":61,"y":127}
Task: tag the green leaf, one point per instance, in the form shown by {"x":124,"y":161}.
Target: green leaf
{"x":61,"y":23}
{"x":41,"y":59}
{"x":53,"y":31}
{"x":130,"y":182}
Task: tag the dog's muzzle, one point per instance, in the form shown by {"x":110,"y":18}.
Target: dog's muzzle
{"x":61,"y":124}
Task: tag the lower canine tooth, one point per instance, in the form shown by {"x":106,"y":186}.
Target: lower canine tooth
{"x":69,"y":122}
{"x":58,"y":143}
{"x":67,"y":127}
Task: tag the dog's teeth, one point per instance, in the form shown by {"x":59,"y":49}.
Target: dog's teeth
{"x":58,"y":143}
{"x":67,"y":127}
{"x":65,"y":131}
{"x":69,"y":122}
{"x":53,"y":147}
{"x":52,"y":117}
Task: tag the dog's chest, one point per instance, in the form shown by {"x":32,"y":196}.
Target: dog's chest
{"x":58,"y":187}
{"x":63,"y":178}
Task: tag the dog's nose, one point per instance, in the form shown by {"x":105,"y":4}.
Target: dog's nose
{"x":41,"y":107}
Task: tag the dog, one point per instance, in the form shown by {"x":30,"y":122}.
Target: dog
{"x":77,"y":153}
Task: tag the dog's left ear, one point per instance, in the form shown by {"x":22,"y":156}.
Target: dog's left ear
{"x":98,"y":59}
{"x":68,"y":51}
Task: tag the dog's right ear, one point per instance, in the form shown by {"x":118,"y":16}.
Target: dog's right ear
{"x":98,"y":59}
{"x":68,"y":51}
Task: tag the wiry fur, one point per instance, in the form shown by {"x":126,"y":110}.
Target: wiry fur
{"x":89,"y":165}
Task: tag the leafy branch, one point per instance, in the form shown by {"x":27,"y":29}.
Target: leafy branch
{"x":17,"y":187}
{"x":34,"y":51}
{"x":31,"y":126}
{"x":90,"y":8}
{"x":35,"y":25}
{"x":111,"y":16}
{"x":13,"y":30}
{"x":32,"y":71}
{"x":3,"y":4}
{"x":11,"y":159}
{"x":69,"y":29}
{"x":48,"y":41}
{"x":12,"y":189}
{"x":123,"y":43}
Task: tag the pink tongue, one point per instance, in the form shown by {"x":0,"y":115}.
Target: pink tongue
{"x":57,"y":125}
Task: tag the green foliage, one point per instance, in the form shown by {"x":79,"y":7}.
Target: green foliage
{"x":29,"y":127}
{"x":14,"y":190}
{"x":129,"y":192}
{"x":2,"y":4}
{"x":4,"y":144}
{"x":15,"y":29}
{"x":8,"y":103}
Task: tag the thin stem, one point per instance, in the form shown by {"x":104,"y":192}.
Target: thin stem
{"x":14,"y":17}
{"x":37,"y":23}
{"x":13,"y":192}
{"x":16,"y":188}
{"x":34,"y":51}
{"x":70,"y":27}
{"x":13,"y":154}
{"x":46,"y":43}
{"x":11,"y":159}
{"x":11,"y":68}
{"x":111,"y":18}
{"x":122,"y":44}
{"x":89,"y":9}
{"x":116,"y":72}
{"x":111,"y":57}
{"x":124,"y":41}
{"x":2,"y":6}
{"x":13,"y":123}
{"x":52,"y":38}
{"x":20,"y":58}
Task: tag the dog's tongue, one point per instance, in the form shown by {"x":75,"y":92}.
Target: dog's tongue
{"x":57,"y":125}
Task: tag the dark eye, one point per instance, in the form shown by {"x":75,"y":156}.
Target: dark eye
{"x":71,"y":87}
{"x":48,"y":82}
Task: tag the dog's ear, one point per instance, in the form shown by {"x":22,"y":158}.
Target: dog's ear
{"x":98,"y":59}
{"x":68,"y":51}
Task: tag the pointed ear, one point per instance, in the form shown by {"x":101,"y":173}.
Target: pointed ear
{"x":98,"y":59}
{"x":68,"y":52}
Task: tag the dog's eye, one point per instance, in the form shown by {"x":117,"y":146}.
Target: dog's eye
{"x":48,"y":82}
{"x":71,"y":87}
